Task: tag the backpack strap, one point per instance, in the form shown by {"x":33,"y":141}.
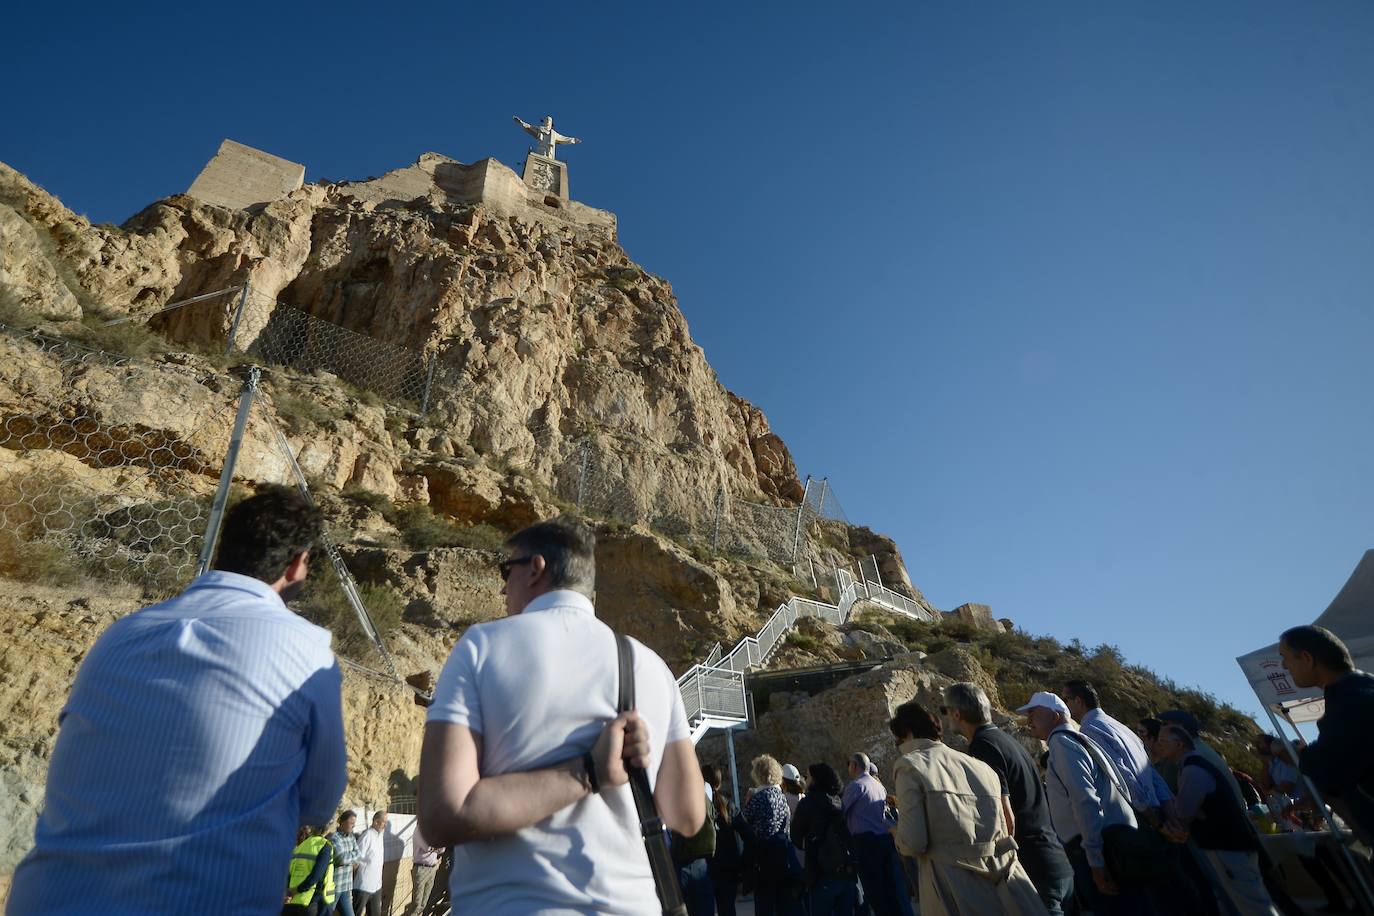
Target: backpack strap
{"x":1105,"y":765}
{"x":650,"y":824}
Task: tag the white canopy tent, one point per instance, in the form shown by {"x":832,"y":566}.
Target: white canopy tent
{"x":1351,"y":617}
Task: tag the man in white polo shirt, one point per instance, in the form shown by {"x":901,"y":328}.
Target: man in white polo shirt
{"x":523,"y":766}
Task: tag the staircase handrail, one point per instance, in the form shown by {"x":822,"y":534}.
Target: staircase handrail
{"x":709,"y":689}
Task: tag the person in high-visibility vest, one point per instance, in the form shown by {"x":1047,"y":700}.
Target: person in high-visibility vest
{"x":310,"y":879}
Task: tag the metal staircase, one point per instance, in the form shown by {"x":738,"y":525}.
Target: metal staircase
{"x":713,"y":691}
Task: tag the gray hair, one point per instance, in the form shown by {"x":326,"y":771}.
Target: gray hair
{"x":1180,"y":734}
{"x":970,"y":701}
{"x":568,"y":548}
{"x":861,"y":761}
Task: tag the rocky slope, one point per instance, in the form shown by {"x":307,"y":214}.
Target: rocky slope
{"x":544,"y":336}
{"x":918,"y":659}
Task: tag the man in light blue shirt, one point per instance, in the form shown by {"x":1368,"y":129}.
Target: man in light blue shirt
{"x":199,"y":735}
{"x":1086,"y":796}
{"x":1123,"y":747}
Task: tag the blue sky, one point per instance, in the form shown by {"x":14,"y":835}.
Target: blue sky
{"x":1072,"y":299}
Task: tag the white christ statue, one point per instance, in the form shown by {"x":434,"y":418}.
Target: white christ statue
{"x":549,"y":139}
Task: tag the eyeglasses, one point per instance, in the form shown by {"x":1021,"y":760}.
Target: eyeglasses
{"x":506,"y":566}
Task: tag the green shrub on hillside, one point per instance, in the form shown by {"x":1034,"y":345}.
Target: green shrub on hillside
{"x":324,"y":603}
{"x":1022,"y":664}
{"x":127,"y":338}
{"x":421,"y":528}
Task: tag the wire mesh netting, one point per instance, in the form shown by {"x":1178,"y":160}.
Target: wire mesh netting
{"x":108,"y":474}
{"x":595,"y":481}
{"x":87,"y":491}
{"x":821,"y":501}
{"x":282,"y":335}
{"x":293,"y":338}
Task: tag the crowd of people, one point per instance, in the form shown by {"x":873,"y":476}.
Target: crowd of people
{"x":1112,"y":820}
{"x":203,"y":732}
{"x":341,"y":872}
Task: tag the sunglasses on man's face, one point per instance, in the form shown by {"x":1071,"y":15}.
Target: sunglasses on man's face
{"x":506,"y":566}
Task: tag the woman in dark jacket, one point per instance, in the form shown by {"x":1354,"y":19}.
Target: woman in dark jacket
{"x":818,"y":827}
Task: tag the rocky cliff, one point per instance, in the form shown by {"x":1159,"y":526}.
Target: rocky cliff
{"x":547,"y":343}
{"x":545,"y":335}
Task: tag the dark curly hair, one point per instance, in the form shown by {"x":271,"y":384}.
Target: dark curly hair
{"x":824,"y":779}
{"x":912,"y":719}
{"x":263,"y":533}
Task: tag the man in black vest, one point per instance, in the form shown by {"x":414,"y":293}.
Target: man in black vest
{"x":1217,"y":824}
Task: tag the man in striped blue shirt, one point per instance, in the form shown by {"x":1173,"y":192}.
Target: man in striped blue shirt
{"x":199,"y":735}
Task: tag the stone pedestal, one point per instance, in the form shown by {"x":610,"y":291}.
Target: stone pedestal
{"x":240,"y":177}
{"x":547,"y":176}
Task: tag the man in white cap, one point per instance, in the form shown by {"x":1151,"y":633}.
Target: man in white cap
{"x":792,"y":787}
{"x":1086,"y":797}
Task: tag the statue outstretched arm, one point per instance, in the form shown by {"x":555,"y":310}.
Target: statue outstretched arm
{"x":568,"y":140}
{"x":529,"y":128}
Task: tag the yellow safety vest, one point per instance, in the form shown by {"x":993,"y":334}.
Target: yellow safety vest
{"x":302,"y":864}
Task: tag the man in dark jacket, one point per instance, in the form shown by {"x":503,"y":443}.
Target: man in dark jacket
{"x":1341,"y":760}
{"x":968,"y":710}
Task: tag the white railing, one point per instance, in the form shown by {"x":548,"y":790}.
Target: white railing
{"x":883,"y":595}
{"x":713,"y":692}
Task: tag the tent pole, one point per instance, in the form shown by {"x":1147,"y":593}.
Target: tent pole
{"x":1367,"y":904}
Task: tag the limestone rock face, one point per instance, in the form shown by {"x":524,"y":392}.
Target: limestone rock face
{"x":874,"y":645}
{"x":979,"y":615}
{"x":863,"y":542}
{"x":545,"y":336}
{"x":446,"y":588}
{"x":770,"y":455}
{"x":652,"y":590}
{"x":26,"y":273}
{"x":104,"y":265}
{"x":957,"y":664}
{"x":849,"y":717}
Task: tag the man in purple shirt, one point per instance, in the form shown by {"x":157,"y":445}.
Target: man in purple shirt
{"x":865,"y":813}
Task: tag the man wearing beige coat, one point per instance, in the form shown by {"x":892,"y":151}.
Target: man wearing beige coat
{"x":952,"y":817}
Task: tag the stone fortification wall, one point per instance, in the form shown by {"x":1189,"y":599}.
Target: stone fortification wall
{"x":442,"y":180}
{"x":239,"y":177}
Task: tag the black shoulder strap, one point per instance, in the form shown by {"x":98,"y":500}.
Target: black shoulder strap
{"x":650,"y":824}
{"x":625,"y":649}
